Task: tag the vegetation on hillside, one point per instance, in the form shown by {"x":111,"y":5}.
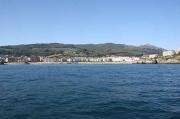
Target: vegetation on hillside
{"x":79,"y":50}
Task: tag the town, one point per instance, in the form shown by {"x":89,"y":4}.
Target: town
{"x":167,"y":57}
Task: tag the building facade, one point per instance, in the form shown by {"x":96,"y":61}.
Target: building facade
{"x":169,"y":53}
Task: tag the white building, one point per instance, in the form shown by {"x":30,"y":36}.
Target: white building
{"x":6,"y":59}
{"x":117,"y":59}
{"x":124,"y":59}
{"x":169,"y":53}
{"x":69,"y":60}
{"x":153,"y":56}
{"x":49,"y":59}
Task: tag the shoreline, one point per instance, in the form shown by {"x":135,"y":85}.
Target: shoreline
{"x":90,"y":63}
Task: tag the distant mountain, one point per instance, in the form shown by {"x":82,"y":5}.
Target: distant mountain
{"x":80,"y":49}
{"x":149,"y":46}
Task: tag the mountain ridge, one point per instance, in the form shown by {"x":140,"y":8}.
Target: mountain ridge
{"x":103,"y":49}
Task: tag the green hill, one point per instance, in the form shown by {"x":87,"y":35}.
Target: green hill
{"x":79,"y":50}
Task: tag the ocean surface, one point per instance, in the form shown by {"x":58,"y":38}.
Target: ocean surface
{"x":73,"y":91}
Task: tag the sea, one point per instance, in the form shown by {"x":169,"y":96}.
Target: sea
{"x":90,"y":91}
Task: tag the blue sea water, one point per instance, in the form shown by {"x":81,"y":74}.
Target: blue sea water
{"x":89,"y":91}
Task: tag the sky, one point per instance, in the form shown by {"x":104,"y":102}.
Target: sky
{"x":132,"y":22}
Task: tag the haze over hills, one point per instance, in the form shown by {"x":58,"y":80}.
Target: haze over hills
{"x":79,"y":49}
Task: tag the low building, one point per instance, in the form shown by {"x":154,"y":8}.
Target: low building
{"x":23,"y":59}
{"x":117,"y":59}
{"x":41,"y":58}
{"x":35,"y":59}
{"x":152,"y":56}
{"x":6,"y":59}
{"x":63,"y":59}
{"x":69,"y":59}
{"x":12,"y":59}
{"x":49,"y":59}
{"x":169,"y":53}
{"x":145,"y":57}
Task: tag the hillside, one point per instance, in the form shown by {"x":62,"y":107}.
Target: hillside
{"x":79,"y":50}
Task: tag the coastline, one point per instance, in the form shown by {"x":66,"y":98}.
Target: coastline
{"x":93,"y":63}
